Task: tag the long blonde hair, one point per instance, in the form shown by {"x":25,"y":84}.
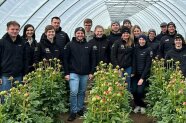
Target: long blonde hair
{"x":132,"y":31}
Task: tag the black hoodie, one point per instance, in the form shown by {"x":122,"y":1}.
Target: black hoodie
{"x":178,"y":55}
{"x":47,"y":50}
{"x":113,"y":37}
{"x":101,"y":48}
{"x":79,"y":58}
{"x":12,"y":56}
{"x":166,"y":44}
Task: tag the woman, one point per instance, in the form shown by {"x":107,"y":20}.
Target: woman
{"x":30,"y":45}
{"x":47,"y":49}
{"x":178,"y":53}
{"x":140,"y":72}
{"x":136,"y":31}
{"x":100,"y":45}
{"x":122,"y":52}
{"x":79,"y":64}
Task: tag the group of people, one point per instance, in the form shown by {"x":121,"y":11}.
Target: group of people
{"x":126,"y":46}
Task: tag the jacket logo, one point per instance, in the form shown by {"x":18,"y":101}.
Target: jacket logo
{"x":167,"y":40}
{"x":184,"y":54}
{"x":122,"y":47}
{"x":103,"y":47}
{"x":95,"y":47}
{"x":56,"y":50}
{"x":47,"y":50}
{"x":86,"y":47}
{"x":151,"y":53}
{"x":19,"y":45}
{"x":36,"y":49}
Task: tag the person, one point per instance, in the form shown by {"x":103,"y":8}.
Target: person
{"x":100,"y":45}
{"x":163,"y":27}
{"x":122,"y":52}
{"x":30,"y":45}
{"x":62,"y":37}
{"x":178,"y":53}
{"x":79,"y":65}
{"x":136,"y":31}
{"x":140,"y":72}
{"x":48,"y":48}
{"x":115,"y":33}
{"x":12,"y":56}
{"x":127,"y":23}
{"x":153,"y":42}
{"x":88,"y":33}
{"x":167,"y":41}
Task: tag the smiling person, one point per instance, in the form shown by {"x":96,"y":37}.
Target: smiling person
{"x":88,"y":33}
{"x":11,"y":56}
{"x":48,"y":48}
{"x":122,"y":54}
{"x":140,"y":72}
{"x":79,"y":65}
{"x":178,"y":53}
{"x":136,"y":31}
{"x":30,"y":44}
{"x":100,"y":45}
{"x":167,"y":41}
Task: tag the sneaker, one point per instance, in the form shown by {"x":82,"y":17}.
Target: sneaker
{"x":80,"y":112}
{"x":143,"y":110}
{"x":137,"y":109}
{"x":72,"y":117}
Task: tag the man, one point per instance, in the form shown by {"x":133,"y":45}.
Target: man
{"x":167,"y":41}
{"x":61,"y":37}
{"x":115,"y":33}
{"x":88,"y":33}
{"x":163,"y":31}
{"x":127,"y":23}
{"x":12,"y":56}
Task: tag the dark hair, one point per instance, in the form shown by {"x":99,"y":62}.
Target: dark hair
{"x":87,"y":20}
{"x":14,"y":23}
{"x":49,"y":27}
{"x":57,"y":18}
{"x":25,"y":29}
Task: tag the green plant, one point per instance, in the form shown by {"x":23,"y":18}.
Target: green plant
{"x":108,"y":101}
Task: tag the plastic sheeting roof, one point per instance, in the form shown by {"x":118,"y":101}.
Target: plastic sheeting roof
{"x":145,"y":13}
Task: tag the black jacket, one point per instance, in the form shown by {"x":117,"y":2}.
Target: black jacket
{"x":142,"y":61}
{"x":113,"y":37}
{"x":12,"y":56}
{"x":166,"y":44}
{"x":178,"y":55}
{"x":47,"y":50}
{"x":61,"y":39}
{"x":121,"y":54}
{"x":101,"y":48}
{"x":159,"y":36}
{"x":154,"y":44}
{"x":79,"y":58}
{"x":29,"y":51}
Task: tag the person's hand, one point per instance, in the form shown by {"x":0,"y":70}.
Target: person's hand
{"x":67,"y":77}
{"x":90,"y":76}
{"x":140,"y":82}
{"x":132,"y":75}
{"x":1,"y":81}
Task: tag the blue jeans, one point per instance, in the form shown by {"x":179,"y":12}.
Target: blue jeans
{"x":78,"y":85}
{"x":128,"y":79}
{"x":7,"y":84}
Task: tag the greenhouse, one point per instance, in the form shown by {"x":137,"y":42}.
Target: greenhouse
{"x":92,"y":61}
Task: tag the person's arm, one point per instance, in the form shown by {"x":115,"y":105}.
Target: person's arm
{"x":114,"y":52}
{"x":66,"y":62}
{"x":37,"y":53}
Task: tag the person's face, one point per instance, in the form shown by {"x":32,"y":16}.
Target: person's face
{"x":79,"y":35}
{"x":128,"y":25}
{"x":99,"y":32}
{"x":152,"y":35}
{"x":13,"y":30}
{"x":137,"y":32}
{"x":88,"y":27}
{"x":142,"y":41}
{"x":125,"y":36}
{"x":50,"y":34}
{"x":164,"y":29}
{"x":171,"y":29}
{"x":29,"y":32}
{"x":56,"y":23}
{"x":178,"y":43}
{"x":115,"y":27}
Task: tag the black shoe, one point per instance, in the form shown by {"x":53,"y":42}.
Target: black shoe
{"x":80,"y":112}
{"x":72,"y":117}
